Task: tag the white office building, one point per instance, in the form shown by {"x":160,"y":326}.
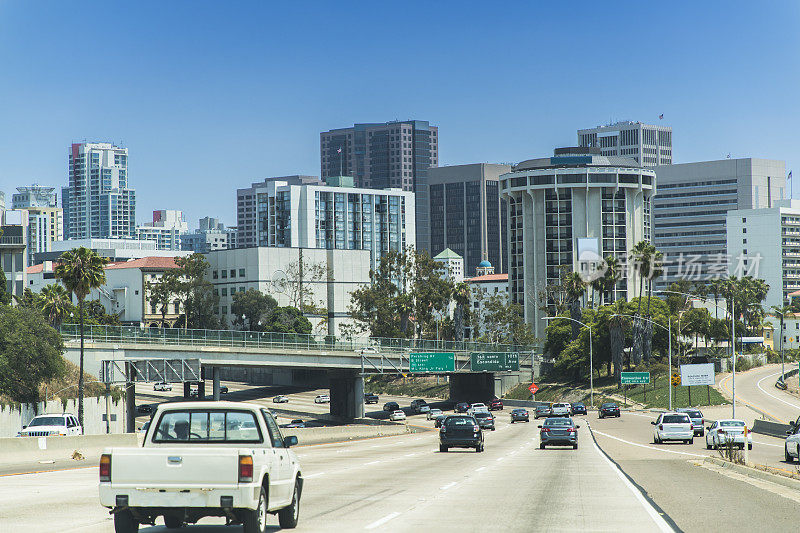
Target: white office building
{"x":647,"y":144}
{"x":765,"y":243}
{"x":273,"y":270}
{"x":562,"y":209}
{"x":113,"y":249}
{"x":45,"y":218}
{"x":691,"y":208}
{"x":211,"y":235}
{"x":165,"y":229}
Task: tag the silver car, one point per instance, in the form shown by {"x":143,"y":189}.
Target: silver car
{"x":697,"y":420}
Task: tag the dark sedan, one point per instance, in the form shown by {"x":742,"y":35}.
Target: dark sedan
{"x":439,"y":420}
{"x":578,"y":408}
{"x":391,"y":407}
{"x":558,"y":431}
{"x":520,"y":415}
{"x":462,"y":407}
{"x":460,"y":431}
{"x":371,"y":398}
{"x":542,"y":411}
{"x":485,"y":420}
{"x":609,"y":409}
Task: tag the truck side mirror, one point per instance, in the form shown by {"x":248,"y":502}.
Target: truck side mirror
{"x":290,"y":441}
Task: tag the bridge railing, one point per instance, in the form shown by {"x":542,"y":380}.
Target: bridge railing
{"x":260,"y":339}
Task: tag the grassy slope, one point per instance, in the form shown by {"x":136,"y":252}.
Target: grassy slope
{"x":424,"y":387}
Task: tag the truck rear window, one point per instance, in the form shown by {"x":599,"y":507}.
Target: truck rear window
{"x":200,"y":426}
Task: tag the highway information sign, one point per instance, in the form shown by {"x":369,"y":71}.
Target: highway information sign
{"x":494,"y":361}
{"x":635,"y":378}
{"x":432,"y":362}
{"x":699,"y":374}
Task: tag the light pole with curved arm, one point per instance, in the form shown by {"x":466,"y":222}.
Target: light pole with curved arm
{"x":669,"y":348}
{"x":591,"y":367}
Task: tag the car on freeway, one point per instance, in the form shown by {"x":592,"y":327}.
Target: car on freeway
{"x":322,"y":398}
{"x":560,"y":409}
{"x":673,"y":426}
{"x":51,"y":425}
{"x":146,"y":408}
{"x":397,"y":415}
{"x":578,"y":408}
{"x":791,"y":446}
{"x":460,"y":431}
{"x":558,"y":430}
{"x":721,"y":432}
{"x":371,"y":398}
{"x":608,"y":409}
{"x":223,"y":389}
{"x":461,"y":407}
{"x":433,"y":413}
{"x":420,"y":406}
{"x":697,"y":420}
{"x":496,"y":404}
{"x":542,"y":411}
{"x":485,"y":420}
{"x":297,"y":423}
{"x":439,"y":420}
{"x":217,"y":445}
{"x":369,"y":349}
{"x":520,"y":415}
{"x":281,"y":398}
{"x":391,"y":407}
{"x":194,"y":393}
{"x":162,"y":386}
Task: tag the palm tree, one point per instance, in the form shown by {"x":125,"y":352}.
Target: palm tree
{"x":611,"y":276}
{"x":55,"y":304}
{"x":781,"y":312}
{"x":81,"y":270}
{"x":575,"y":288}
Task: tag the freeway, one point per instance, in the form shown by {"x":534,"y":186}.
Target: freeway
{"x":756,"y":388}
{"x":397,"y":484}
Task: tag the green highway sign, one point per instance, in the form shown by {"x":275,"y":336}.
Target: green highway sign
{"x":494,"y":361}
{"x":635,"y":378}
{"x":432,"y":362}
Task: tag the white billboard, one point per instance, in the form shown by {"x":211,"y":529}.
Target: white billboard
{"x":698,"y":374}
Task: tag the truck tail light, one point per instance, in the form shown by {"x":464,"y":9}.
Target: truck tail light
{"x":105,"y":467}
{"x":245,"y":468}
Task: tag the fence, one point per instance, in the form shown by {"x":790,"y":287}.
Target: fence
{"x":259,"y":339}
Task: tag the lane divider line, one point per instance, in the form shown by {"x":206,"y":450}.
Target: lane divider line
{"x":379,"y":523}
{"x":448,"y":486}
{"x":748,"y":404}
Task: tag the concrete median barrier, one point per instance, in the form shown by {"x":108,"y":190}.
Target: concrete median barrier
{"x":32,"y":449}
{"x":773,"y":429}
{"x":322,"y":435}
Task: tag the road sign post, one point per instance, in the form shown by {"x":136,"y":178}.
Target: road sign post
{"x":432,"y":362}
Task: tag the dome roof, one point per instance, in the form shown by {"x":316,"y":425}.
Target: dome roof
{"x":484,"y":264}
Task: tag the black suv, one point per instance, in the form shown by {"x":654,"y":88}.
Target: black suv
{"x":390,"y":407}
{"x":371,"y":398}
{"x":462,"y":407}
{"x":460,"y":431}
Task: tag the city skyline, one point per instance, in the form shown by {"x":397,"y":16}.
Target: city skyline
{"x":181,"y":116}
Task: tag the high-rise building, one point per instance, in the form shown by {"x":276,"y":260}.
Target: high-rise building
{"x":211,"y":235}
{"x":97,"y":202}
{"x":383,"y":155}
{"x":647,"y":144}
{"x":568,"y":211}
{"x":246,"y":208}
{"x":165,"y":229}
{"x":336,"y":215}
{"x":467,"y":214}
{"x":45,"y":218}
{"x":765,"y":243}
{"x":692,"y":203}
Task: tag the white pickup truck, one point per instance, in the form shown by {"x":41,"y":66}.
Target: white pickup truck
{"x":201,"y":459}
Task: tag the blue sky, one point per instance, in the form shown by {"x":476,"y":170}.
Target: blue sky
{"x":211,"y":96}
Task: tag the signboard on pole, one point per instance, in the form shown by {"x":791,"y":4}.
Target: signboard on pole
{"x":697,"y":374}
{"x":494,"y":361}
{"x":533,"y":388}
{"x":635,"y":378}
{"x":432,"y":362}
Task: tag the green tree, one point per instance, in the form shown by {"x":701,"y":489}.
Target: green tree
{"x":162,"y":292}
{"x":81,"y":270}
{"x":250,"y":307}
{"x":30,"y":353}
{"x":5,"y":296}
{"x":195,"y":292}
{"x":575,"y":288}
{"x":287,"y":320}
{"x":781,"y":311}
{"x":696,"y":321}
{"x":504,"y":322}
{"x":55,"y":304}
{"x":29,"y":300}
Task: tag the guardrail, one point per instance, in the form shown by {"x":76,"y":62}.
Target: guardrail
{"x":773,"y":429}
{"x":260,"y":339}
{"x":781,"y":383}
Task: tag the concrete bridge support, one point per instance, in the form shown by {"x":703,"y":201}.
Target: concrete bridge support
{"x":472,"y":387}
{"x":215,"y":381}
{"x":347,"y":395}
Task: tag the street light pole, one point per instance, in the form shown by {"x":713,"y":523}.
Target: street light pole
{"x":591,"y":365}
{"x":733,"y":353}
{"x":669,"y":358}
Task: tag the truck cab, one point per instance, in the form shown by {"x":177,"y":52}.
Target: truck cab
{"x":204,"y":459}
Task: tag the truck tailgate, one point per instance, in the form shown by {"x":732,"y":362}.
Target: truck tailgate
{"x":206,"y":466}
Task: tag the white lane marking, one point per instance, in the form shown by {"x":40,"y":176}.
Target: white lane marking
{"x":655,"y":415}
{"x":448,"y":486}
{"x":500,"y":459}
{"x":768,"y":444}
{"x":309,"y":476}
{"x":758,"y":384}
{"x":481,"y":468}
{"x":644,"y":445}
{"x":371,"y":463}
{"x":409,"y":455}
{"x":378,"y":523}
{"x":657,"y":518}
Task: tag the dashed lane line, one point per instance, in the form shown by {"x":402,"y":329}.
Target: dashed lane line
{"x":379,"y":523}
